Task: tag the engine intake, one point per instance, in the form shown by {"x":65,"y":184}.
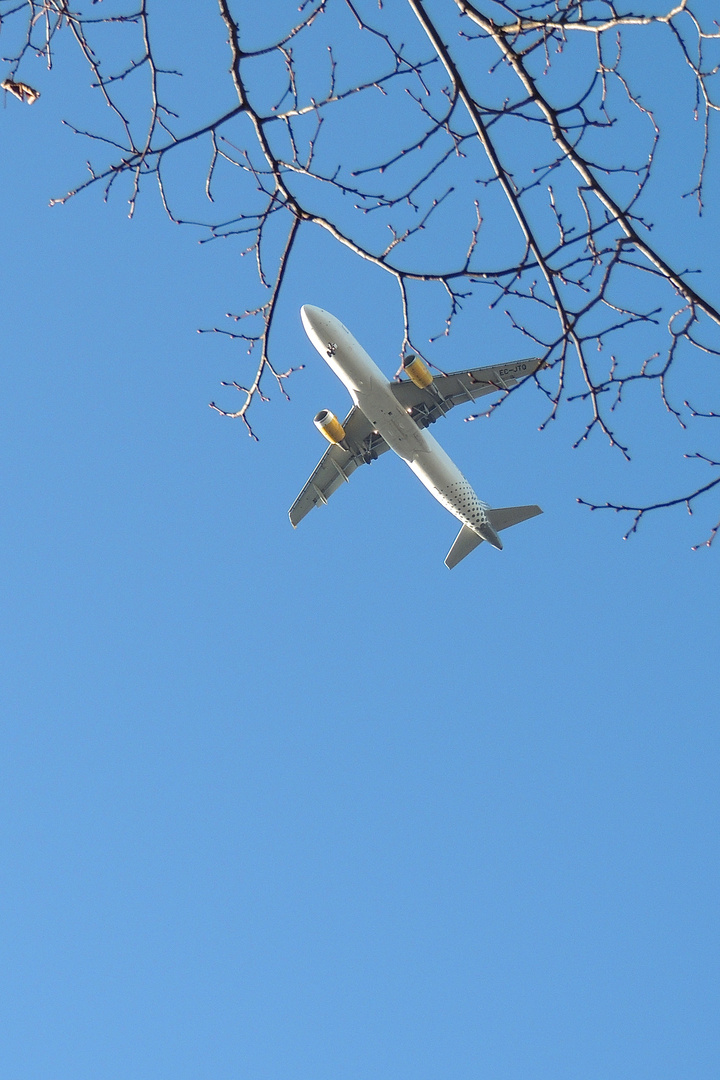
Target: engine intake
{"x":417,"y":371}
{"x":328,"y":425}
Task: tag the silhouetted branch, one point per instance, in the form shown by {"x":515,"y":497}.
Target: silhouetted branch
{"x":683,"y":500}
{"x":582,"y":276}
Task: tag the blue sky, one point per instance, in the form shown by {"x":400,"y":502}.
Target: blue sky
{"x":305,"y":804}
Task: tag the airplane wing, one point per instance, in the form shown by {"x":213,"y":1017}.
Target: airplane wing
{"x":445,"y":391}
{"x":337,"y":464}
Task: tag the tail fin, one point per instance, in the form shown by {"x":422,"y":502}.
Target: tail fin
{"x":467,"y":539}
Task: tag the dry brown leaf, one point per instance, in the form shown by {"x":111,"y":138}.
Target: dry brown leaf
{"x":21,"y":90}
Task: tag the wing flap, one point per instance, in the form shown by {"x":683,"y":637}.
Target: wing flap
{"x":335,"y":468}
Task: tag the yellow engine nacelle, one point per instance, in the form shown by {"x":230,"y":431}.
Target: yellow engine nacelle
{"x":417,"y":371}
{"x":328,"y":425}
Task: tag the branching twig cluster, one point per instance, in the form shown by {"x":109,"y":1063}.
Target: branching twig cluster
{"x":516,"y":114}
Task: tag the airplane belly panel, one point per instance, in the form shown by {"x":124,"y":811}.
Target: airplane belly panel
{"x":390,"y":420}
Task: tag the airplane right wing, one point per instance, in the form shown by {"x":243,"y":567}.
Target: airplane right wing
{"x":429,"y":404}
{"x":337,"y":464}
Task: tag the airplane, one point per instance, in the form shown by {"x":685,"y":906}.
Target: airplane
{"x":394,"y":416}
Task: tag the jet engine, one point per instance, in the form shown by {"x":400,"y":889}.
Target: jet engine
{"x":417,"y":371}
{"x":328,"y":425}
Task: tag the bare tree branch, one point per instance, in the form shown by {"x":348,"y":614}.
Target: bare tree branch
{"x":524,"y":118}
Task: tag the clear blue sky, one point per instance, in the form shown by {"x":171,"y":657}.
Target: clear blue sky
{"x":307,"y":805}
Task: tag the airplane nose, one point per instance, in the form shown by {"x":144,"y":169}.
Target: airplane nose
{"x":322,"y":328}
{"x":310,"y":316}
{"x":313,"y":324}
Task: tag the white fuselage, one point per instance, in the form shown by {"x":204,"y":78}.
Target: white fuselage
{"x":371,"y":392}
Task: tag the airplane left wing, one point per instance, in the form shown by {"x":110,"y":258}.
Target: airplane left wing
{"x":429,"y":404}
{"x":337,"y":464}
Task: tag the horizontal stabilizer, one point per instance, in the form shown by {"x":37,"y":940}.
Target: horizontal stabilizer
{"x":511,"y":515}
{"x":466,"y":541}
